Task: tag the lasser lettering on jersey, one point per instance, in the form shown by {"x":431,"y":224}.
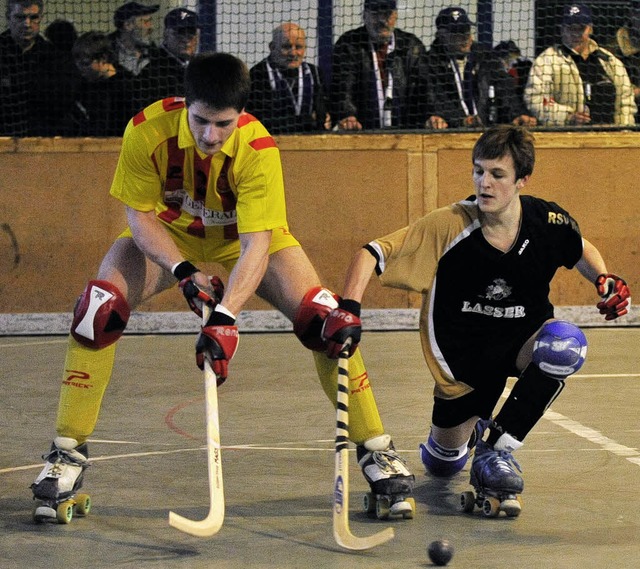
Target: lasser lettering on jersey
{"x":494,"y":311}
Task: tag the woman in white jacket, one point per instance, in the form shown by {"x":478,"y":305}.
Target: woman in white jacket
{"x":557,"y":92}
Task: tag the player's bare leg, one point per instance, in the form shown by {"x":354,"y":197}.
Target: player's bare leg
{"x":288,"y":280}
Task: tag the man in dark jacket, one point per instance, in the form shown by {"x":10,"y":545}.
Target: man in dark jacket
{"x":287,"y":94}
{"x":469,"y":86}
{"x":376,"y":75}
{"x":37,"y":81}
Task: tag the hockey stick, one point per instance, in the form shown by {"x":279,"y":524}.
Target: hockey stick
{"x":213,"y":522}
{"x":341,"y":531}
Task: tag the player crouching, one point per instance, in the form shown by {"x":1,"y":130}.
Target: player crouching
{"x":483,"y":266}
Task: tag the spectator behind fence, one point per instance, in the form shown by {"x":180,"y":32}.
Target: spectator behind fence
{"x":515,"y":64}
{"x":99,"y":97}
{"x":577,"y":82}
{"x":377,"y":75}
{"x":37,"y":81}
{"x":62,"y":34}
{"x":140,"y":64}
{"x":627,"y":49}
{"x":468,"y":84}
{"x":287,"y":94}
{"x":132,"y":39}
{"x":179,"y":43}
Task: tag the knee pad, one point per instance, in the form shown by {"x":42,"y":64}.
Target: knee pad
{"x":100,"y":315}
{"x":559,"y":349}
{"x":441,"y":461}
{"x":314,"y":308}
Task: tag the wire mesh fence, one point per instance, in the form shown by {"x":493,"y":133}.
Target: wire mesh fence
{"x":77,"y":68}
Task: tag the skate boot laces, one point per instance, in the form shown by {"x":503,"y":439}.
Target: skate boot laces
{"x":390,"y":462}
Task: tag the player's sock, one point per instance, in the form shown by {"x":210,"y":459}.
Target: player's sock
{"x":86,"y":375}
{"x":364,"y":419}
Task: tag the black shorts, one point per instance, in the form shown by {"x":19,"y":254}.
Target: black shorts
{"x":449,"y":413}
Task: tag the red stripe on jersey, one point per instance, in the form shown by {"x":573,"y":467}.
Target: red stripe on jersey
{"x":139,"y":118}
{"x":196,"y":227}
{"x":227,"y":197}
{"x":174,"y":176}
{"x":174,"y":180}
{"x":172,"y":103}
{"x":245,"y":119}
{"x":201,"y":168}
{"x":262,"y":143}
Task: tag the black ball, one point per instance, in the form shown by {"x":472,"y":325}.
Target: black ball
{"x":440,"y":552}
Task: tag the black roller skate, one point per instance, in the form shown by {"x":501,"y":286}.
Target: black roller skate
{"x":496,"y":483}
{"x":55,"y":488}
{"x":390,"y":480}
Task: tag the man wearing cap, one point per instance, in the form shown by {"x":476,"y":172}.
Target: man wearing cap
{"x":468,"y":84}
{"x":181,"y":35}
{"x":377,"y":73}
{"x":132,"y":39}
{"x":179,"y":43}
{"x":577,"y":82}
{"x":287,"y":94}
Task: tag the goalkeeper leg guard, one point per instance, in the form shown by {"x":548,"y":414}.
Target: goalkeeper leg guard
{"x":530,"y":397}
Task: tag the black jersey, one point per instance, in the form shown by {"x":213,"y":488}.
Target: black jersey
{"x":480,"y":303}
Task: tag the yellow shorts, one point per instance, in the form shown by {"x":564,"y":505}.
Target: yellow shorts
{"x":223,"y":251}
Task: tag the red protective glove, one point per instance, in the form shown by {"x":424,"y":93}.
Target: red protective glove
{"x":615,"y":296}
{"x":342,"y":323}
{"x":197,"y":296}
{"x":217,"y":342}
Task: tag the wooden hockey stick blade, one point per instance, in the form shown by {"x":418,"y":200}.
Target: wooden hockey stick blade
{"x":213,"y":522}
{"x":341,"y":531}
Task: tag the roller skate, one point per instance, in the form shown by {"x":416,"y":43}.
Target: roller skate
{"x":496,"y":483}
{"x":55,"y":488}
{"x":390,"y":480}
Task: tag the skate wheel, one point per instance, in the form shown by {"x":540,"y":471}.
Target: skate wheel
{"x":491,"y":507}
{"x":83,"y":504}
{"x":369,"y":503}
{"x":64,"y":512}
{"x":467,"y":501}
{"x":408,"y":515}
{"x":383,"y":508}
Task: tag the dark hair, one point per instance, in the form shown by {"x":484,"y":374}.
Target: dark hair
{"x":92,"y":46}
{"x":219,"y":80}
{"x":504,"y":139}
{"x":24,"y":4}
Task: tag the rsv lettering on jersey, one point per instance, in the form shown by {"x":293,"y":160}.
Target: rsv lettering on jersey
{"x":561,"y":219}
{"x":210,"y":217}
{"x":493,"y":311}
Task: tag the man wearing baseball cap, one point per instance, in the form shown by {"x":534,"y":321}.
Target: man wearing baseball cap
{"x":181,"y":35}
{"x":468,"y":84}
{"x":376,"y":73}
{"x":577,"y":82}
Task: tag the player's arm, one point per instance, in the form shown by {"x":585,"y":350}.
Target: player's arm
{"x":612,"y":289}
{"x":152,"y":239}
{"x":344,"y":322}
{"x":219,"y":337}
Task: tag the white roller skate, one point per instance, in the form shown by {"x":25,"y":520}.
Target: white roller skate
{"x":496,"y":483}
{"x":390,"y":480}
{"x":55,"y":488}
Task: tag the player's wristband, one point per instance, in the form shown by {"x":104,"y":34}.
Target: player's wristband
{"x":183,"y":270}
{"x":350,"y":305}
{"x":221,"y":317}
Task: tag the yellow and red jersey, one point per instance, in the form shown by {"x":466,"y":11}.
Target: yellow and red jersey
{"x":239,"y":189}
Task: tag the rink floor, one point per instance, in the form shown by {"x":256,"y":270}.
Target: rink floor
{"x":581,"y":464}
